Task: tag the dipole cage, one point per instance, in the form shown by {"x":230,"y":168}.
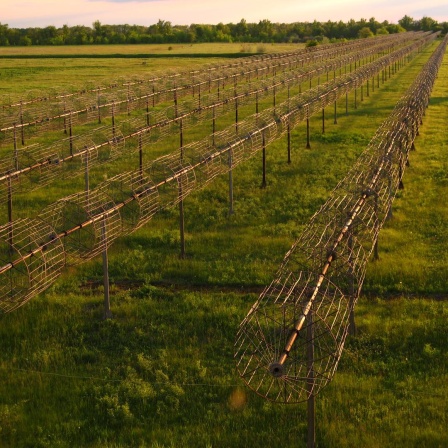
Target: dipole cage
{"x":306,"y":55}
{"x":81,"y":226}
{"x":20,"y":119}
{"x":34,"y":166}
{"x":289,"y":344}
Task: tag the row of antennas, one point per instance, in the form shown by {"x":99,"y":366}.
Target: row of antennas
{"x":290,"y":342}
{"x":22,"y":119}
{"x":34,"y":166}
{"x":185,"y":78}
{"x":82,"y":225}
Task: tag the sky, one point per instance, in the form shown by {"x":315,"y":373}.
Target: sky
{"x":42,"y":13}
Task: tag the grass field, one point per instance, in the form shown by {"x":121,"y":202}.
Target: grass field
{"x":150,"y":49}
{"x":161,"y":373}
{"x":65,"y":66}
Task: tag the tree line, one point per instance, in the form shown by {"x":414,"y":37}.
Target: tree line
{"x":164,"y":32}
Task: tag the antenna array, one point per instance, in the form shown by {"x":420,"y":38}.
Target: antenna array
{"x":290,"y":342}
{"x":85,"y":224}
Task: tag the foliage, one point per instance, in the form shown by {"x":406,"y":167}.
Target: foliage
{"x":164,"y":32}
{"x":365,"y":32}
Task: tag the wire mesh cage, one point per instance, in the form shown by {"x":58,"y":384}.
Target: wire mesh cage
{"x":289,"y":344}
{"x":110,"y":143}
{"x":32,"y":257}
{"x":267,"y":360}
{"x":105,"y":102}
{"x":173,"y":177}
{"x":208,"y":161}
{"x":73,"y":153}
{"x":10,"y":168}
{"x":235,"y":148}
{"x":89,"y":222}
{"x":137,"y":195}
{"x":38,"y":166}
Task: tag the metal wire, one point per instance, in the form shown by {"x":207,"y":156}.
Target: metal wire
{"x":162,"y":123}
{"x":88,"y":222}
{"x":306,"y":308}
{"x":41,"y":109}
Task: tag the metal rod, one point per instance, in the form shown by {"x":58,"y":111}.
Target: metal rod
{"x":214,"y":126}
{"x":99,"y":107}
{"x":230,"y":159}
{"x":181,"y":201}
{"x":140,"y":155}
{"x":311,"y":401}
{"x":15,"y":142}
{"x":375,"y":246}
{"x":70,"y":129}
{"x":113,"y":119}
{"x":22,"y":128}
{"x":86,"y":175}
{"x":289,"y":142}
{"x":181,"y":223}
{"x":236,"y":115}
{"x":107,"y":310}
{"x":263,"y":182}
{"x":351,"y":286}
{"x":323,"y":121}
{"x":10,"y":232}
{"x":308,"y":146}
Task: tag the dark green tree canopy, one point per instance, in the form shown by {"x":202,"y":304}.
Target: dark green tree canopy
{"x":165,"y":32}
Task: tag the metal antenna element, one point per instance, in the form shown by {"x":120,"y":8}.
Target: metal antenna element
{"x":87,"y":223}
{"x":38,"y":166}
{"x":322,"y":274}
{"x":37,"y":112}
{"x":39,"y":107}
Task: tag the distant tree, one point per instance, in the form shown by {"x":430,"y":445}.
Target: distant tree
{"x":365,"y":32}
{"x":221,"y":37}
{"x":317,"y":29}
{"x":444,"y":27}
{"x":374,"y":25}
{"x":241,"y":31}
{"x":265,"y":31}
{"x":4,"y":35}
{"x":395,"y":29}
{"x":14,"y":36}
{"x":134,"y":37}
{"x":25,"y":41}
{"x":352,"y":29}
{"x":47,"y":35}
{"x":427,"y":24}
{"x":164,"y":32}
{"x":407,"y":23}
{"x":165,"y":27}
{"x":98,"y":32}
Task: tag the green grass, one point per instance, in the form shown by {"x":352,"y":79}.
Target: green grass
{"x":166,"y":49}
{"x":418,"y":234}
{"x":104,"y":63}
{"x":21,"y":76}
{"x":161,"y":373}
